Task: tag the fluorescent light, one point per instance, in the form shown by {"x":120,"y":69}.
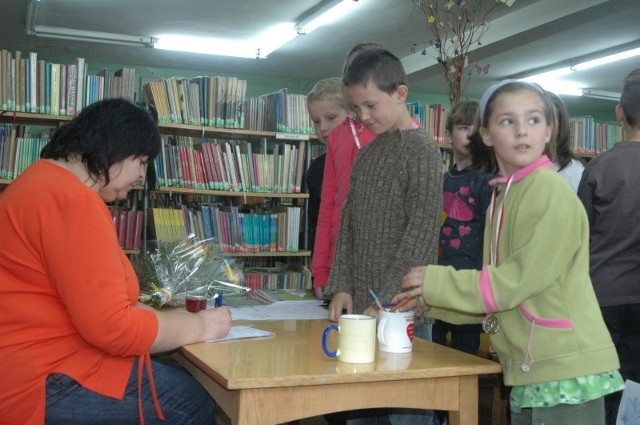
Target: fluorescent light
{"x":553,"y":81}
{"x":557,"y":86}
{"x":94,"y":36}
{"x":329,"y":13}
{"x":601,"y":94}
{"x":607,"y":59}
{"x":258,"y":47}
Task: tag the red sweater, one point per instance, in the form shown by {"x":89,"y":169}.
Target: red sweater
{"x":341,"y":153}
{"x":69,"y":294}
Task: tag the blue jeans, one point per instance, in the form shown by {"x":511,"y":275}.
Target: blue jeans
{"x":182,"y":399}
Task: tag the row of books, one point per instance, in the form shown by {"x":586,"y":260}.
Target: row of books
{"x":234,"y":165}
{"x":128,"y":226}
{"x":284,"y":277}
{"x":34,"y":85}
{"x":207,"y":101}
{"x":232,"y":228}
{"x":18,"y":149}
{"x":221,"y":102}
{"x":591,"y":138}
{"x":279,"y":111}
{"x":432,"y":117}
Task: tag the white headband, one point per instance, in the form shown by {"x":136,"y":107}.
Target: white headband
{"x":491,"y":90}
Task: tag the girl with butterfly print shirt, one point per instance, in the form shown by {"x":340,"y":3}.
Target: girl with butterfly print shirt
{"x":466,"y":196}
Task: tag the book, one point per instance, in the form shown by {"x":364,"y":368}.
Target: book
{"x":80,"y":84}
{"x":54,"y":97}
{"x":63,"y":89}
{"x":33,"y":82}
{"x":72,"y":86}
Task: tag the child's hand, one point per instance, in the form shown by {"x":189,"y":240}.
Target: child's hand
{"x":415,"y":278}
{"x":412,"y":281}
{"x":340,"y":301}
{"x":319,"y":290}
{"x":371,"y":311}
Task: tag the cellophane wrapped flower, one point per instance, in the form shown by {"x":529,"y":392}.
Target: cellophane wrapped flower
{"x":175,"y":268}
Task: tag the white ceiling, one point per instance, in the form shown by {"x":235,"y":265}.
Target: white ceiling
{"x":531,"y":35}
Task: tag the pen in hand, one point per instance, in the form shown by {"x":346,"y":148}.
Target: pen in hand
{"x":376,"y":299}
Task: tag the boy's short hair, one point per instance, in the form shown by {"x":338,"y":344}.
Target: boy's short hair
{"x":377,"y":65}
{"x":464,"y":113}
{"x":630,"y":98}
{"x":328,"y":89}
{"x":356,"y":50}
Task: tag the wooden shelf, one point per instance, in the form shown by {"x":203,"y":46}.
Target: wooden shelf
{"x":269,"y":254}
{"x":199,"y":130}
{"x":184,"y":190}
{"x":25,"y":118}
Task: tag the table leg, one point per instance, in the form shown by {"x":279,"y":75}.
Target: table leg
{"x":468,"y":413}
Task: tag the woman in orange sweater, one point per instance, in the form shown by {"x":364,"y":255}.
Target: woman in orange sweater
{"x":75,"y":343}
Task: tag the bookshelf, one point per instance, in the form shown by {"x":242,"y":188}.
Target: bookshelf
{"x":236,"y":196}
{"x":590,"y":138}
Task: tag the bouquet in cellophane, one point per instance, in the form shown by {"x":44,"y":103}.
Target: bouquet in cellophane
{"x":175,"y":268}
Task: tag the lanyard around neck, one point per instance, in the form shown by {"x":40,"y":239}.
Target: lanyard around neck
{"x":356,"y":139}
{"x":497,"y":225}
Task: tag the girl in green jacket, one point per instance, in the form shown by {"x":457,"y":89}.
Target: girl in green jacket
{"x":533,"y":295}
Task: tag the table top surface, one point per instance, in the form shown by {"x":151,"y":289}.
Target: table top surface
{"x":294,"y":357}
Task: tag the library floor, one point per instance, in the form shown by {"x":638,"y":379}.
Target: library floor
{"x":484,"y":415}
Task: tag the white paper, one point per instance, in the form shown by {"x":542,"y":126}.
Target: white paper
{"x":239,"y":332}
{"x":280,"y":311}
{"x":629,"y":410}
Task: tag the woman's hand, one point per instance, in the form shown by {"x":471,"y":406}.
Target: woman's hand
{"x":218,"y":321}
{"x":178,"y":327}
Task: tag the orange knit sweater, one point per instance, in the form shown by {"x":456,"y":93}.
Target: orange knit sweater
{"x":68,"y":294}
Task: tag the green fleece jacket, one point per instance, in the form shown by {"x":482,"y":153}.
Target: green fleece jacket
{"x":540,"y":290}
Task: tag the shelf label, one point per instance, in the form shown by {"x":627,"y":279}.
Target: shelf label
{"x":291,"y":136}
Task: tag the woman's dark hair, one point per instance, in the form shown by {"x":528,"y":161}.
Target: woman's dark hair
{"x":105,"y":133}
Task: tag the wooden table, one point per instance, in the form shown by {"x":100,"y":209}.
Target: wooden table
{"x":287,"y":377}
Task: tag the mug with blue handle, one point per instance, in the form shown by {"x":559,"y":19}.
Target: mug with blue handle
{"x":356,"y":339}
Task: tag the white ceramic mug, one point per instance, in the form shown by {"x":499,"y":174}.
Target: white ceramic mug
{"x":356,"y":339}
{"x":395,"y":331}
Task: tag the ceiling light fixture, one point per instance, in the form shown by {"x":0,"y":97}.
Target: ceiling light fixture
{"x":80,"y":35}
{"x":264,"y":44}
{"x":553,"y":80}
{"x":601,"y":94}
{"x":94,"y":36}
{"x":330,"y":12}
{"x":257,"y":47}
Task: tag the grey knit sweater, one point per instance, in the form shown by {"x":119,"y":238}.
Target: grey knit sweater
{"x":391,"y":218}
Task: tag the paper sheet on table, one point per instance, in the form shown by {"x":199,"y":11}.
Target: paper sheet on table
{"x":240,"y":332}
{"x":282,"y":310}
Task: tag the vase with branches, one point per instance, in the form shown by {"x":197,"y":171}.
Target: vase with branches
{"x":457,"y":26}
